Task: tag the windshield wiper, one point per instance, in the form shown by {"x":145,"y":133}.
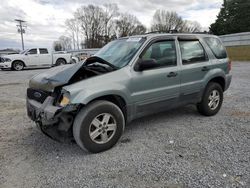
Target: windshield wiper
{"x":99,"y":65}
{"x":95,"y":59}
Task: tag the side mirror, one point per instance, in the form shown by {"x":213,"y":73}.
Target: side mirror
{"x":145,"y":64}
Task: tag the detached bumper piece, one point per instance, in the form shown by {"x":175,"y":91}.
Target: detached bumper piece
{"x":56,"y":122}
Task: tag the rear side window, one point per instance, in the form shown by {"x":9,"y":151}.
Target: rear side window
{"x":217,"y":48}
{"x":43,"y":51}
{"x":192,"y":52}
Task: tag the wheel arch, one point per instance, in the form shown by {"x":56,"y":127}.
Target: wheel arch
{"x":61,"y":58}
{"x":114,"y":98}
{"x":16,"y":61}
{"x":220,"y":80}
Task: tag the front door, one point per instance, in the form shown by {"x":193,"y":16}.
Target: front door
{"x":156,"y":89}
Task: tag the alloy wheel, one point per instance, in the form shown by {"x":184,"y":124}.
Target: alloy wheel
{"x":102,"y":128}
{"x":214,"y":99}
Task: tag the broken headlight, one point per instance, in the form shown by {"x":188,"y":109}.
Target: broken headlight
{"x":65,"y":99}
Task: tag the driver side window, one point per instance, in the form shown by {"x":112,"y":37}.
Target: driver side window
{"x":32,"y":51}
{"x":163,"y":52}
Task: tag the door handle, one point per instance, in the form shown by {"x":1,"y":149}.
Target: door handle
{"x":172,"y":74}
{"x":205,"y":69}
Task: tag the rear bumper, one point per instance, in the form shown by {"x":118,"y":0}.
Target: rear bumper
{"x":228,"y":81}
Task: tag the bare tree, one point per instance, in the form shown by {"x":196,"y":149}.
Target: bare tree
{"x":110,"y":12}
{"x":165,"y":21}
{"x":191,"y":26}
{"x":101,"y":24}
{"x":65,"y":42}
{"x":91,"y":21}
{"x":73,"y":28}
{"x":128,"y":25}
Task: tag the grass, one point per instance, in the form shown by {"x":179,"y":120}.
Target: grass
{"x":239,"y":53}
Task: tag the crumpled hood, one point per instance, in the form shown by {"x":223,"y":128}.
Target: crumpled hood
{"x":54,"y":77}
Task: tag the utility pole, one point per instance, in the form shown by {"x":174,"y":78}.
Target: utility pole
{"x":20,"y":29}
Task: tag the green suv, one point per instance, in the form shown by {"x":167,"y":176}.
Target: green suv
{"x":92,"y":101}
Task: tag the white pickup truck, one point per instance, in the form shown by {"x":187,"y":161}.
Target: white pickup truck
{"x":35,"y":57}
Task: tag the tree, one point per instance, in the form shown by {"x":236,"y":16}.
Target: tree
{"x":101,"y":24}
{"x":57,"y":46}
{"x":97,"y":23}
{"x":234,"y":17}
{"x":128,"y":24}
{"x":73,"y":27}
{"x":65,"y":43}
{"x":109,"y":13}
{"x":191,"y":26}
{"x":164,"y":21}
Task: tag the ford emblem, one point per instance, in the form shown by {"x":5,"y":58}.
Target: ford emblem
{"x":37,"y":95}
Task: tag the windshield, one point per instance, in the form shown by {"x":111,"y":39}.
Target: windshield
{"x":121,"y":51}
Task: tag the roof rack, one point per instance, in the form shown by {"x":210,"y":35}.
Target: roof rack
{"x":151,"y":32}
{"x":170,"y":31}
{"x":176,"y":31}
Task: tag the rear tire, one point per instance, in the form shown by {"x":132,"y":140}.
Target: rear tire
{"x":98,"y":126}
{"x":212,"y":100}
{"x":17,"y":65}
{"x":60,"y":62}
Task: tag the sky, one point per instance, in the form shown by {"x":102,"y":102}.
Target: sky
{"x":45,"y":18}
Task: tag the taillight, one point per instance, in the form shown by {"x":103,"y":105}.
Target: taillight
{"x":229,"y":65}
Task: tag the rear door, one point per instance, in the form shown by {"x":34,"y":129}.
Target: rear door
{"x":158,"y":88}
{"x":195,"y":65}
{"x":44,"y":57}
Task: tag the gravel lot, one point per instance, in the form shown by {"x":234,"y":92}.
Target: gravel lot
{"x":179,"y":148}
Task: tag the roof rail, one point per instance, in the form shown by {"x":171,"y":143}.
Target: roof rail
{"x":151,"y":32}
{"x":170,"y":31}
{"x":201,"y":32}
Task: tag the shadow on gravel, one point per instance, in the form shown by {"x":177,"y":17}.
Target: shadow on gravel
{"x":189,"y":111}
{"x":40,"y":144}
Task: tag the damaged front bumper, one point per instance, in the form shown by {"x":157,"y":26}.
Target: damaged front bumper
{"x":43,"y":113}
{"x":54,"y":121}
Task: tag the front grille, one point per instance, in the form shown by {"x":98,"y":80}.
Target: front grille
{"x":37,"y":95}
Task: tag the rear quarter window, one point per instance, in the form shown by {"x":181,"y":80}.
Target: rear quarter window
{"x":216,"y":47}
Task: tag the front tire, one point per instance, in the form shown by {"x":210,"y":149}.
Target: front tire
{"x":17,"y":65}
{"x":98,"y":126}
{"x":212,"y":100}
